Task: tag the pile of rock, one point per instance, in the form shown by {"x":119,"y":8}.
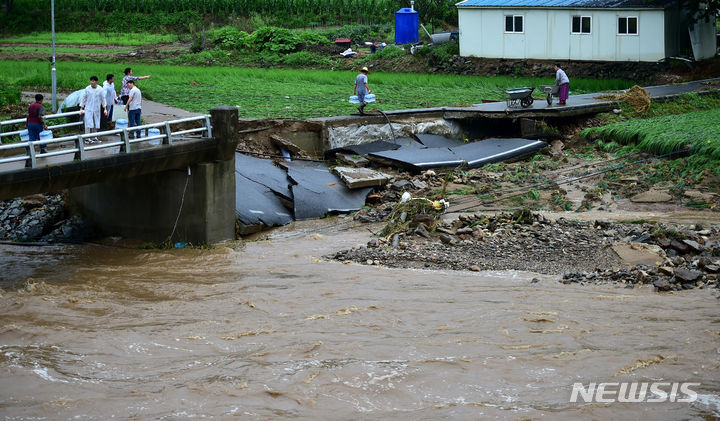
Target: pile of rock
{"x":40,"y":218}
{"x":580,"y":251}
{"x":688,"y":257}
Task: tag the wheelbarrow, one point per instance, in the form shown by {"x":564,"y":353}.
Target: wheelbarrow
{"x":551,"y":91}
{"x":520,"y":97}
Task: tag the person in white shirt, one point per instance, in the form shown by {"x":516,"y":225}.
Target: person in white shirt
{"x":110,"y":96}
{"x":134,"y":107}
{"x":563,"y":82}
{"x":93,"y":103}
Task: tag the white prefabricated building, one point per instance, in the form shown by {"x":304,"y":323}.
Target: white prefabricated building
{"x":601,"y":30}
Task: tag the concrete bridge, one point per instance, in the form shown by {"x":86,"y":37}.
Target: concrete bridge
{"x":181,"y":190}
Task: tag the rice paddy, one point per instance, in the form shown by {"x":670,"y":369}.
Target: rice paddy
{"x":289,"y":93}
{"x":668,"y":133}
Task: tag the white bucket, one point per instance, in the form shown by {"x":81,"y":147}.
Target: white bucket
{"x":24,"y":135}
{"x":154,"y":132}
{"x":46,"y":135}
{"x":368,"y":98}
{"x":121,"y":123}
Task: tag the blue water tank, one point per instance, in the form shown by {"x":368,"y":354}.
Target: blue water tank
{"x":407,"y":24}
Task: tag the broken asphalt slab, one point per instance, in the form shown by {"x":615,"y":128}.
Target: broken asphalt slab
{"x":264,"y":172}
{"x":493,"y":150}
{"x":317,"y":192}
{"x":256,"y":204}
{"x":437,"y":141}
{"x":474,"y":155}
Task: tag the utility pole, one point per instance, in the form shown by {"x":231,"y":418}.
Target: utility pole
{"x":52,"y":59}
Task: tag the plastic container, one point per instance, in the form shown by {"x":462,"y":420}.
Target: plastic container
{"x":407,"y":24}
{"x":121,"y":123}
{"x":24,"y":135}
{"x":368,"y":98}
{"x":46,"y":135}
{"x":154,"y":132}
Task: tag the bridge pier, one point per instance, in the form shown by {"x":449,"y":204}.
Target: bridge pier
{"x":201,"y":198}
{"x":195,"y":203}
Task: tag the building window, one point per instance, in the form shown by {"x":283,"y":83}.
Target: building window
{"x":628,"y":25}
{"x":513,"y":23}
{"x":581,"y":24}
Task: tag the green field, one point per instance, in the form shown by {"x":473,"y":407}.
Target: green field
{"x":92,"y":38}
{"x":285,"y":93}
{"x":41,"y":49}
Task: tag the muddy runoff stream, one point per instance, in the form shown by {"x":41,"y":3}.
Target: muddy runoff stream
{"x":271,"y":331}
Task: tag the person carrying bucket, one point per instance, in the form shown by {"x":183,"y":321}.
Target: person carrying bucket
{"x":361,"y":88}
{"x":36,"y":120}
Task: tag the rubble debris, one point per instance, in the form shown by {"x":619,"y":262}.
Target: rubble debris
{"x":361,"y":177}
{"x":354,"y":160}
{"x":280,"y":142}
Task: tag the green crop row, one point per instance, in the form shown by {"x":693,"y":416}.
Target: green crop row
{"x":667,"y":133}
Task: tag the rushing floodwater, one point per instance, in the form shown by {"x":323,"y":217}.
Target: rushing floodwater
{"x":270,"y":331}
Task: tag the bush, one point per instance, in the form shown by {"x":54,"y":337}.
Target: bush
{"x":443,"y":53}
{"x":313,"y":38}
{"x":229,"y":38}
{"x":274,"y":39}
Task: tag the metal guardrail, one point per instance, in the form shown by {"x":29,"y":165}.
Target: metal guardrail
{"x":79,"y":149}
{"x":48,"y":117}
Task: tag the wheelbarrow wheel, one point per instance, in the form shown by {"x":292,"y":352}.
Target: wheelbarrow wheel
{"x":525,"y":102}
{"x":549,"y":99}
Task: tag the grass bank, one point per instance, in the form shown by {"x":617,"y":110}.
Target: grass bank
{"x":286,"y":93}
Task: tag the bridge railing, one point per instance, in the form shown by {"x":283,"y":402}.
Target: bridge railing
{"x":47,"y":117}
{"x":167,"y":135}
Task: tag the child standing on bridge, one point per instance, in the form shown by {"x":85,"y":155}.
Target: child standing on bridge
{"x":36,"y":120}
{"x":93,"y":103}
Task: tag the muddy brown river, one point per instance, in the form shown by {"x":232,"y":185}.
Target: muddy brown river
{"x":272,"y":331}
